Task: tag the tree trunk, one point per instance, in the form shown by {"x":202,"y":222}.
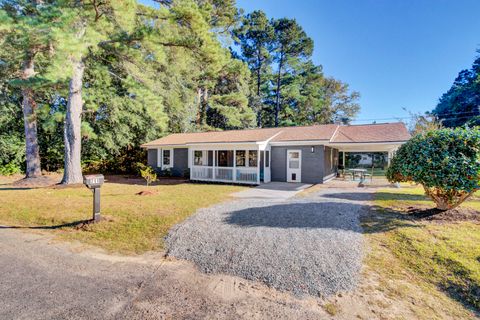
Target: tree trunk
{"x":72,"y":129}
{"x":277,"y":102}
{"x":30,"y":121}
{"x":259,"y":79}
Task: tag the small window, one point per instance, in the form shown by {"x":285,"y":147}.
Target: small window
{"x":240,"y":158}
{"x":252,"y":158}
{"x":167,"y":154}
{"x":198,"y":158}
{"x":267,"y":159}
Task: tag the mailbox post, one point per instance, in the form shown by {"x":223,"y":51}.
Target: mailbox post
{"x":94,"y":182}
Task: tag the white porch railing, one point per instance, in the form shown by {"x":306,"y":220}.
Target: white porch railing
{"x":201,"y":173}
{"x":248,"y":175}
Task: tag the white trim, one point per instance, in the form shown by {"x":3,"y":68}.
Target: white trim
{"x":329,"y":177}
{"x":299,"y":169}
{"x":334,"y":133}
{"x":159,"y":157}
{"x":170,"y":165}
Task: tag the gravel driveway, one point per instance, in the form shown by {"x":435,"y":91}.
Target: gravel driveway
{"x":306,"y":245}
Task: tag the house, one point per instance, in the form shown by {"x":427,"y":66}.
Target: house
{"x":308,"y":154}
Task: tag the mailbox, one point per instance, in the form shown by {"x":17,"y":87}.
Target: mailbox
{"x":94,"y":182}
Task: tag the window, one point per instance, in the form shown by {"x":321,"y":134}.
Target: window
{"x":267,"y":159}
{"x":252,"y":158}
{"x":167,"y":158}
{"x":225,"y":158}
{"x":198,"y":158}
{"x":240,"y":160}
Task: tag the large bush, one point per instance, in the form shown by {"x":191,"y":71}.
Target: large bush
{"x":445,"y":162}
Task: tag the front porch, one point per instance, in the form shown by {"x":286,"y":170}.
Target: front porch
{"x":242,"y":165}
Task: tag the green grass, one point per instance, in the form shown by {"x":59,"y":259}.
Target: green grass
{"x":132,"y":223}
{"x":446,"y":254}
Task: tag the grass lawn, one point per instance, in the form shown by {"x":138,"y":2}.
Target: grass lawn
{"x":133,"y":224}
{"x":443,"y":253}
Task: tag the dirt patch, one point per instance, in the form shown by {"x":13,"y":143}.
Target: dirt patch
{"x":68,"y":186}
{"x":146,"y":193}
{"x":453,"y":215}
{"x":39,"y":182}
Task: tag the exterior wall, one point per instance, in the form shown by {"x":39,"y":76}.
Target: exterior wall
{"x":152,"y":157}
{"x":180,"y":160}
{"x":312,"y":163}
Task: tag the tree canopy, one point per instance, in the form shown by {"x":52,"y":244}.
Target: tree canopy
{"x":181,"y":66}
{"x":460,"y":105}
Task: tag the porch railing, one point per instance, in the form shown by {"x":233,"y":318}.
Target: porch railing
{"x":247,"y":175}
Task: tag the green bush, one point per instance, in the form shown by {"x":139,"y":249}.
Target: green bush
{"x":9,"y":169}
{"x":445,"y":162}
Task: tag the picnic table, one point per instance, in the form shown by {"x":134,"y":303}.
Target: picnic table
{"x":358,"y":171}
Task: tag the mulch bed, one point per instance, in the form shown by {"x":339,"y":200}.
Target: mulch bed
{"x":453,"y":215}
{"x":134,"y":180}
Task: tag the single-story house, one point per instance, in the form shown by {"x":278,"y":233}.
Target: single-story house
{"x":308,"y":154}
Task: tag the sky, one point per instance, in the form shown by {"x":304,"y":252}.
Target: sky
{"x":396,"y":53}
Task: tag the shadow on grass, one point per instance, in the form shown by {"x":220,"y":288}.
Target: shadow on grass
{"x":382,"y":196}
{"x":13,"y":188}
{"x":76,"y":224}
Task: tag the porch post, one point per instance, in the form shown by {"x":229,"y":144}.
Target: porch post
{"x":343,"y":159}
{"x":214,"y":163}
{"x":258,"y":165}
{"x":234,"y":165}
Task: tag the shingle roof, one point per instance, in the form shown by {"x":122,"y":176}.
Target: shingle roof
{"x":382,"y":132}
{"x":386,"y":132}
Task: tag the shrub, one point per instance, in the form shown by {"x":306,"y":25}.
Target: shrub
{"x":147,"y":173}
{"x":445,"y":162}
{"x":9,"y":169}
{"x":167,"y":172}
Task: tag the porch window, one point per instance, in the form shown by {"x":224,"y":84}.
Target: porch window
{"x":167,"y":158}
{"x":225,"y":158}
{"x":252,"y":158}
{"x":240,"y":161}
{"x":198,"y":158}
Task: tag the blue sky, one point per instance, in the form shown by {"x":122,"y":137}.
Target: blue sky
{"x":396,"y":53}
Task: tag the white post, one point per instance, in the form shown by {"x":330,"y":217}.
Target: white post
{"x":234,"y":165}
{"x":258,"y":165}
{"x":343,"y":159}
{"x":214,"y":163}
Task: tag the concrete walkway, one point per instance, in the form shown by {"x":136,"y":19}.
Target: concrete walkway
{"x":272,"y":191}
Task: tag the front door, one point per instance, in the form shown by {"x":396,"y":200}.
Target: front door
{"x":294,"y":166}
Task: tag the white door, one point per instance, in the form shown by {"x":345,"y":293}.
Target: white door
{"x":294,"y":165}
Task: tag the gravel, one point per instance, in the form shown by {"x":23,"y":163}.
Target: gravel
{"x":310,"y":245}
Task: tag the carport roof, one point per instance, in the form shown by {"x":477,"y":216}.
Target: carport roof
{"x":330,"y":133}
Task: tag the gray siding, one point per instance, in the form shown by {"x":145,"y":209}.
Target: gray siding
{"x":312,"y":163}
{"x":152,"y":157}
{"x":180,"y":160}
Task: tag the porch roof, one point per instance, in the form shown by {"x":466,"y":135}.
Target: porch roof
{"x":328,"y":134}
